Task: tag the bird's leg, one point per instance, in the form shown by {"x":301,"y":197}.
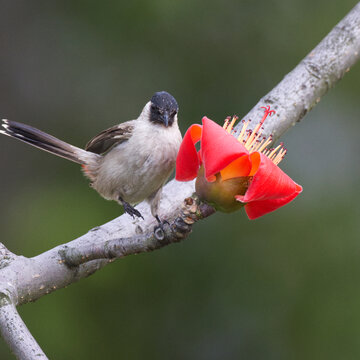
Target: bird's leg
{"x":130,"y":209}
{"x":154,"y":200}
{"x":161,"y":223}
{"x":159,"y":231}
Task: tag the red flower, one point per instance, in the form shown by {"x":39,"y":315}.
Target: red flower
{"x":235,"y":171}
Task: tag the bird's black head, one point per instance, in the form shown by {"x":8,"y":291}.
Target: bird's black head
{"x":163,"y":108}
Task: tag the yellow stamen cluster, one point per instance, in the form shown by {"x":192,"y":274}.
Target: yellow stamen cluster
{"x":254,"y":141}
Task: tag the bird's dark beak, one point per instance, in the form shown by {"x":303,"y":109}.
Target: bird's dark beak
{"x":166,"y":119}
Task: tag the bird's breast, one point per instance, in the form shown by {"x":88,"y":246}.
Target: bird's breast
{"x":140,"y":166}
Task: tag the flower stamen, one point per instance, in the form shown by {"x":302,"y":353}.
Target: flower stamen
{"x":274,"y":151}
{"x":243,"y":129}
{"x":226,"y":123}
{"x":280,"y":155}
{"x":266,"y":143}
{"x":251,"y":138}
{"x":258,"y":145}
{"x":231,"y":125}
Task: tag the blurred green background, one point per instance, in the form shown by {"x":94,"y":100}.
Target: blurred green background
{"x":285,"y":286}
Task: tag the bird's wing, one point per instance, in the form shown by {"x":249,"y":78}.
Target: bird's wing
{"x":104,"y":141}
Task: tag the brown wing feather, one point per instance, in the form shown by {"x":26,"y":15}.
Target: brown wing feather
{"x":104,"y":141}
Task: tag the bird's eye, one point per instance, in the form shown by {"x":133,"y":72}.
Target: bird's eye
{"x":156,"y":110}
{"x":173,"y":113}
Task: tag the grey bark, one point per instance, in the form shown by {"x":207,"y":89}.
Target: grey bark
{"x":15,"y":332}
{"x":27,"y":279}
{"x":17,"y":335}
{"x":319,"y":71}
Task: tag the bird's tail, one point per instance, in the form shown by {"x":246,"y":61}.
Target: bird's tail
{"x":41,"y":140}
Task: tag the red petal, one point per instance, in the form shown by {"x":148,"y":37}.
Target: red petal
{"x":187,"y":161}
{"x":256,"y":209}
{"x":218,"y":147}
{"x":269,"y":181}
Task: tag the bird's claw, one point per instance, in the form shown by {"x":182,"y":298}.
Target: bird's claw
{"x":159,"y":230}
{"x":131,"y":210}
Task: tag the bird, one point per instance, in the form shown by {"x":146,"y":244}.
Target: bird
{"x":129,"y":162}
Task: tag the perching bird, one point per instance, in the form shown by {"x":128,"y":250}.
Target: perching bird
{"x":129,"y":162}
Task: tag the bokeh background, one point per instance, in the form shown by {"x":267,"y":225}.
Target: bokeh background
{"x":285,"y":286}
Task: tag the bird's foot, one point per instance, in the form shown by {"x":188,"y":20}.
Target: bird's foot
{"x":159,"y":230}
{"x":130,"y":209}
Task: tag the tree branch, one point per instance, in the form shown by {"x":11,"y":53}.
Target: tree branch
{"x":319,"y":71}
{"x":15,"y":333}
{"x":27,"y":279}
{"x":192,"y":211}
